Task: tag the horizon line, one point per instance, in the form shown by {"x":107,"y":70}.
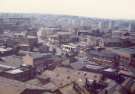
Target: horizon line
{"x":59,"y":14}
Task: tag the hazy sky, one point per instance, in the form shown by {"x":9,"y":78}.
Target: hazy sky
{"x":117,"y":9}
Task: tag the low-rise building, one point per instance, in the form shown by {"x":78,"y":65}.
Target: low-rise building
{"x":104,"y":57}
{"x":41,"y":61}
{"x":23,"y":73}
{"x":126,"y":55}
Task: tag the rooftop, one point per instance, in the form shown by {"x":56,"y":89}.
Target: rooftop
{"x":11,"y":61}
{"x":62,"y":76}
{"x":102,"y":53}
{"x":15,"y":71}
{"x":37,"y":55}
{"x":110,"y":70}
{"x":130,"y":50}
{"x":15,"y":87}
{"x":5,"y":49}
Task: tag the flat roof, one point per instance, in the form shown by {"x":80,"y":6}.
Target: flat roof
{"x":94,"y":66}
{"x":40,"y":55}
{"x":109,"y":70}
{"x":6,"y":66}
{"x":103,"y":53}
{"x":31,"y":36}
{"x":130,"y":50}
{"x":11,"y":61}
{"x":5,"y":49}
{"x":15,"y":71}
{"x":69,"y":45}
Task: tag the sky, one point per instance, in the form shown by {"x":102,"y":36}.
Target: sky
{"x":114,"y":9}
